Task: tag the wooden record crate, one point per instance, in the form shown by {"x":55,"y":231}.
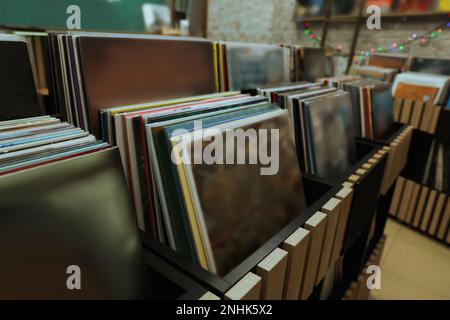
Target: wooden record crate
{"x":263,"y":274}
{"x":358,"y":289}
{"x":295,"y":261}
{"x":422,"y":208}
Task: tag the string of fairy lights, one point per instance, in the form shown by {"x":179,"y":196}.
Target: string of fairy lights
{"x":398,"y":46}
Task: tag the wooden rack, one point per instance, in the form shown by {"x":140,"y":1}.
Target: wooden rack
{"x":295,"y":262}
{"x":410,"y":202}
{"x":422,"y":208}
{"x":342,"y":229}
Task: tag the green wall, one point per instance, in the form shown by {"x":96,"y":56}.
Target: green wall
{"x":117,"y":15}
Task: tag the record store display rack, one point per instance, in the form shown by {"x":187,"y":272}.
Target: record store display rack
{"x":111,"y":130}
{"x":420,"y":200}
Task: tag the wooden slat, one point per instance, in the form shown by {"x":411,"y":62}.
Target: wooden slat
{"x":248,"y":288}
{"x":346,"y":197}
{"x":406,"y":111}
{"x":427,"y":116}
{"x":297,"y":246}
{"x":404,"y":203}
{"x":316,"y":226}
{"x":434,"y":119}
{"x":367,"y":166}
{"x":360,"y":172}
{"x":209,"y":296}
{"x":377,"y":156}
{"x":398,"y":158}
{"x":397,"y":108}
{"x":443,"y":226}
{"x":393,"y":210}
{"x":420,"y":206}
{"x":331,"y":209}
{"x":412,"y":203}
{"x":437,"y":214}
{"x":272,"y":270}
{"x":417,"y":114}
{"x":428,"y":210}
{"x":353,"y":178}
{"x":362,"y":292}
{"x":348,"y":184}
{"x":388,"y":178}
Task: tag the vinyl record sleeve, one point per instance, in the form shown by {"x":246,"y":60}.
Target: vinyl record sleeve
{"x":120,"y":71}
{"x":136,"y":150}
{"x":331,"y":135}
{"x":214,"y":204}
{"x":252,"y":65}
{"x":73,"y":229}
{"x":168,"y":181}
{"x":430,"y":65}
{"x":17,"y":80}
{"x":422,"y":87}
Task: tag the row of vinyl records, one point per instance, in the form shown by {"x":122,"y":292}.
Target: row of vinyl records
{"x":416,"y":86}
{"x":83,"y":72}
{"x":385,"y":66}
{"x":80,"y":73}
{"x":67,"y":186}
{"x":422,"y":207}
{"x":64,"y":200}
{"x":216,"y":213}
{"x":187,"y":204}
{"x":182,"y":204}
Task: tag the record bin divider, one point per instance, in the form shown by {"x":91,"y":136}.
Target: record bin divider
{"x":442,"y":132}
{"x":418,"y":155}
{"x":167,"y":283}
{"x":317,"y":192}
{"x":366,"y":191}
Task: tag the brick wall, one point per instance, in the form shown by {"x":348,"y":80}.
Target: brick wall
{"x":272,"y":21}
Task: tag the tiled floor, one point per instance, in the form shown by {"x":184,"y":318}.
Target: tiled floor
{"x":413,"y":266}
